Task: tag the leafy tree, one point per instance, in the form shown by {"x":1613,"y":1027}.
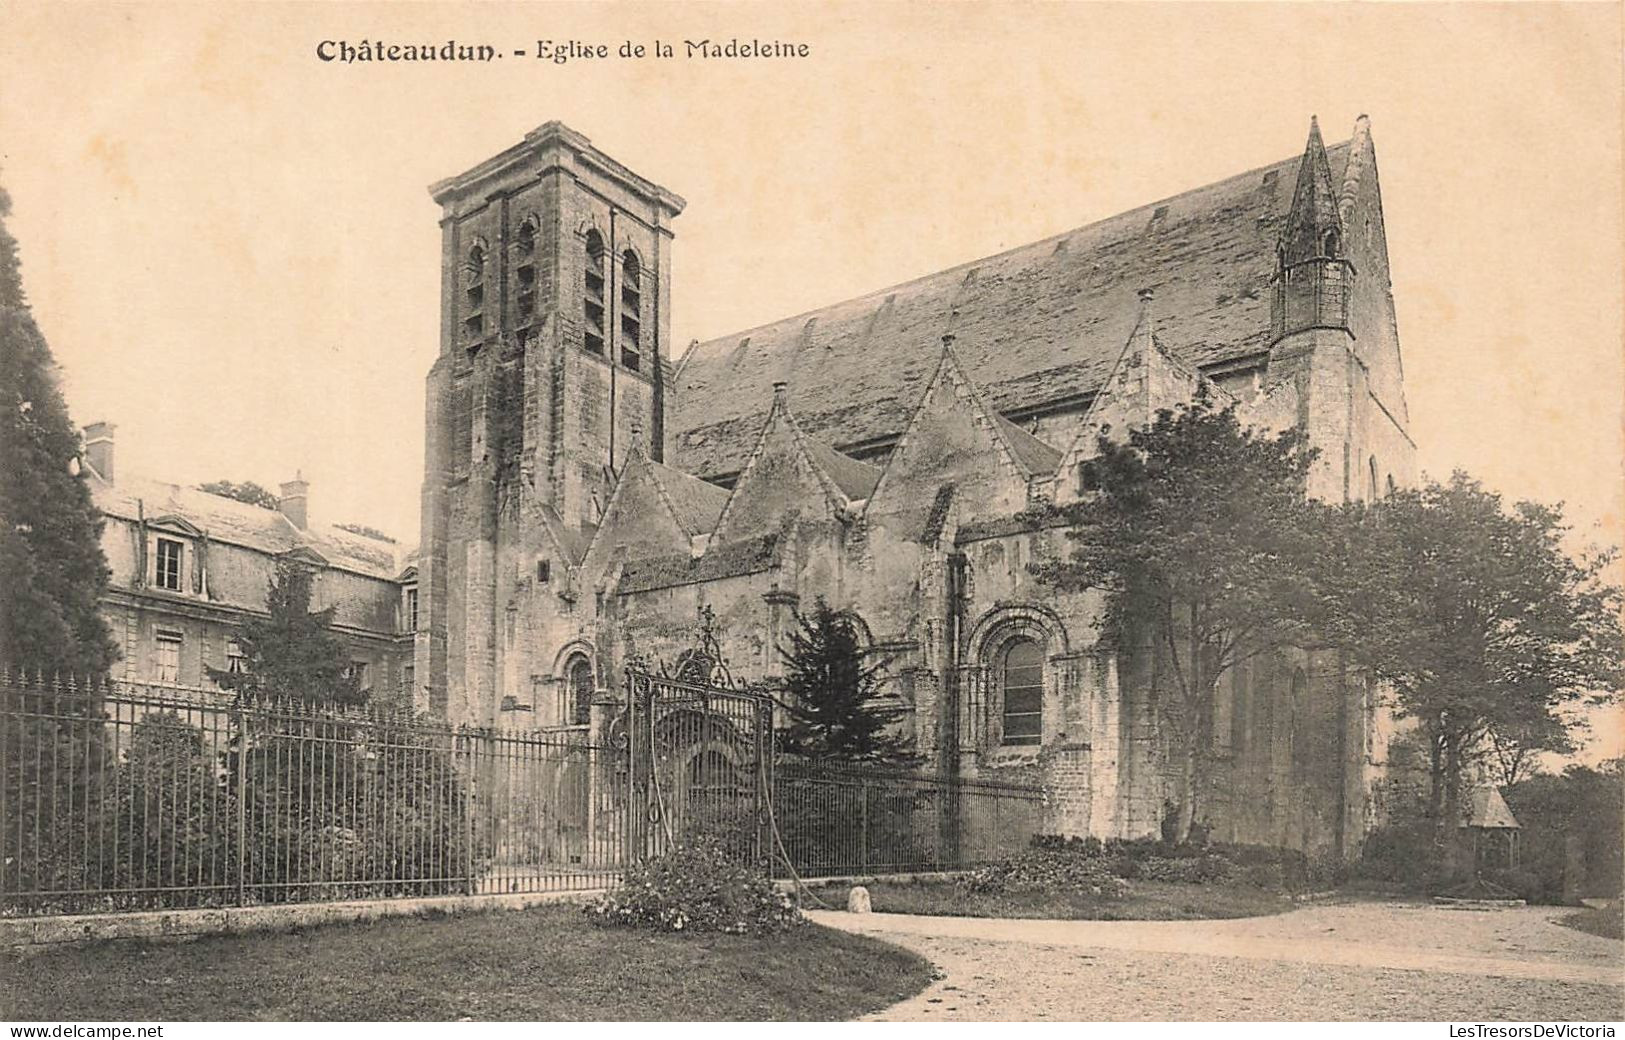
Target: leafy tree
{"x":52,"y":571}
{"x":1486,"y":629}
{"x":1199,"y":536}
{"x":1515,"y":747}
{"x":1580,"y":807}
{"x":293,"y":653}
{"x":833,"y":701}
{"x":247,"y":491}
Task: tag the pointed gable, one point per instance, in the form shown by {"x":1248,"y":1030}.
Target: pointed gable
{"x":954,"y":438}
{"x":1145,"y":379}
{"x":1371,"y":311}
{"x":643,"y":518}
{"x":789,"y":474}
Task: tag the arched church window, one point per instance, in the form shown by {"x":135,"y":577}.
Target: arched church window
{"x":1021,"y":671}
{"x":1391,"y":486}
{"x":593,"y":304}
{"x":1371,"y":479}
{"x":474,"y":294}
{"x":1329,"y":244}
{"x":525,"y":270}
{"x":578,"y":686}
{"x":631,"y":311}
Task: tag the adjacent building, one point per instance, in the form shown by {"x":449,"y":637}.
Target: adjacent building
{"x":189,"y":567}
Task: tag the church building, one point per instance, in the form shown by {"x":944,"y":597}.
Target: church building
{"x":588,"y":489}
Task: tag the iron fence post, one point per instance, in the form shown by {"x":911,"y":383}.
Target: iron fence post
{"x":240,"y":781}
{"x":470,"y":807}
{"x":863,"y":826}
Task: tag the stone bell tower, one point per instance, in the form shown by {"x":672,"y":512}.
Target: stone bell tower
{"x":554,"y":319}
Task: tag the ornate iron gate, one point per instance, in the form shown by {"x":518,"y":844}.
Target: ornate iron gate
{"x":699,"y":757}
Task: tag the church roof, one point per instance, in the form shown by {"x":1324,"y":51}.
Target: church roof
{"x":1038,"y":324}
{"x":238,"y":523}
{"x":1031,"y":452}
{"x":697,"y":503}
{"x":724,"y":560}
{"x":855,"y":479}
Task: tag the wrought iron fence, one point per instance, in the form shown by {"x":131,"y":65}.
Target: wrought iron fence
{"x":701,"y":755}
{"x":133,"y":796}
{"x":846,"y":820}
{"x":129,"y":796}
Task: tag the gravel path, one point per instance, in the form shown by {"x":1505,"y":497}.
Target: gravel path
{"x":1336,"y":961}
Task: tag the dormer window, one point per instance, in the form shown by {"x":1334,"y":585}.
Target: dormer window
{"x":631,"y":311}
{"x":593,"y":303}
{"x":168,"y":562}
{"x":410,"y":608}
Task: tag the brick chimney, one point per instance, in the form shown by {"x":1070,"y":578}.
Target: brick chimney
{"x":294,"y":499}
{"x":99,"y":449}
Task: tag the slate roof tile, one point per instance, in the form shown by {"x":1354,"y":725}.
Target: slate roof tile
{"x":1035,"y":324}
{"x":238,"y":523}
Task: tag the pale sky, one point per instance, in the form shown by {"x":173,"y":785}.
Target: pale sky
{"x":231,"y":251}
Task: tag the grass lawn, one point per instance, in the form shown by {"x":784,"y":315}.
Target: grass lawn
{"x":1147,"y":901}
{"x":543,"y":964}
{"x":1607,"y":922}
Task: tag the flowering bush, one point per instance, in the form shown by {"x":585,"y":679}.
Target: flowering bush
{"x":1048,"y":869}
{"x":696,"y":888}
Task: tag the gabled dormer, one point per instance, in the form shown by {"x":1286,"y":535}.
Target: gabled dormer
{"x":1313,"y":274}
{"x":788,"y":472}
{"x":172,"y":552}
{"x":653,"y":510}
{"x":1144,"y":380}
{"x":956,"y":438}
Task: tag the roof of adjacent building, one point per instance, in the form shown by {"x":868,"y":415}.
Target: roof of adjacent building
{"x":1484,"y":807}
{"x":1038,"y":324}
{"x":254,"y":527}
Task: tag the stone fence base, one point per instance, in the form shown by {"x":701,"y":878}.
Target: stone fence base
{"x":25,"y":934}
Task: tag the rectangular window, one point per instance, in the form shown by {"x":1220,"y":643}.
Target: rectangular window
{"x":412,"y":609}
{"x":169,"y":565}
{"x":358,"y":672}
{"x":408,"y":679}
{"x":1088,"y":477}
{"x":544,"y":571}
{"x":167,"y":657}
{"x":236,"y":662}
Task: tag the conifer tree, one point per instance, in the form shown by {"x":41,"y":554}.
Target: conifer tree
{"x":833,"y":694}
{"x":293,"y":652}
{"x":52,"y":571}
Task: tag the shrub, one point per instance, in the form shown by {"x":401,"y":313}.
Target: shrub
{"x":1047,"y":869}
{"x":1209,"y":869}
{"x":1192,"y":863}
{"x":696,"y":888}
